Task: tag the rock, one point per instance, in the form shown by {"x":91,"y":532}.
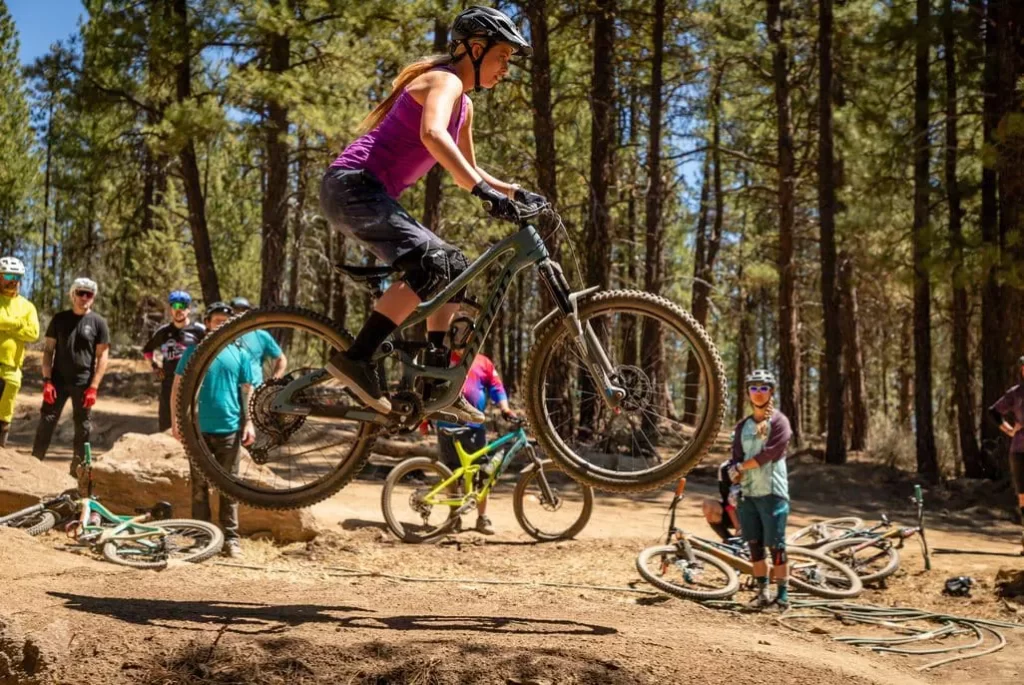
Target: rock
{"x":31,"y":656}
{"x":1010,"y":582}
{"x":140,"y":470}
{"x":24,"y":480}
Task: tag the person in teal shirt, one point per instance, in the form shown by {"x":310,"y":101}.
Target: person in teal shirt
{"x":261,"y":345}
{"x":758,"y":463}
{"x":223,"y":420}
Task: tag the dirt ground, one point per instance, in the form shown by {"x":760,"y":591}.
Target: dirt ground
{"x":292,"y":615}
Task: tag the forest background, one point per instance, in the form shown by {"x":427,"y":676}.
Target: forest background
{"x":835,"y":188}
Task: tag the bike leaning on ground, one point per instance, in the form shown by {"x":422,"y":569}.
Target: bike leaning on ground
{"x":423,"y":499}
{"x":692,"y":567}
{"x":624,"y":390}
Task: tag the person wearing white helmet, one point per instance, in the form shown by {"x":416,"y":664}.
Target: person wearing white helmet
{"x":19,"y":324}
{"x":75,"y":353}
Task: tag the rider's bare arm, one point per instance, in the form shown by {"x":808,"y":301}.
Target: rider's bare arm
{"x":441,"y":91}
{"x":49,"y":347}
{"x":102,"y":358}
{"x":469,"y":152}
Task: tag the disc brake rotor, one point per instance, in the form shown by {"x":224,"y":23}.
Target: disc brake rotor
{"x":638,"y":387}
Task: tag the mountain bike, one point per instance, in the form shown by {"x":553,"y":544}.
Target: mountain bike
{"x":874,"y":555}
{"x":424,"y":500}
{"x":692,"y":567}
{"x":149,"y":539}
{"x":41,"y":517}
{"x":610,"y":389}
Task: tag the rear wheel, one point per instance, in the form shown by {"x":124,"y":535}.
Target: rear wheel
{"x":821,"y":575}
{"x":184,"y":540}
{"x":33,"y":523}
{"x":875,"y":561}
{"x":408,"y":515}
{"x":673,"y":384}
{"x":702,"y":578}
{"x":296,"y":460}
{"x":549,"y":505}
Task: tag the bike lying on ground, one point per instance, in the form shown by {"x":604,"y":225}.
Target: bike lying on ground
{"x":624,"y":390}
{"x":873,"y":553}
{"x":424,"y":500}
{"x":150,"y":539}
{"x":692,"y":567}
{"x":41,"y":517}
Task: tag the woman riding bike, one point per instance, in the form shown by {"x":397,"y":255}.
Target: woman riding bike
{"x":427,"y":119}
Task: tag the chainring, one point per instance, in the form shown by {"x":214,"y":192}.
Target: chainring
{"x":408,"y":408}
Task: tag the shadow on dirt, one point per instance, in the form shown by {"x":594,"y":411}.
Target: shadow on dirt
{"x":255,"y":618}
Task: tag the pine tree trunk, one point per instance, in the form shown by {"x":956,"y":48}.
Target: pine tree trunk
{"x":275,"y":197}
{"x":963,"y":388}
{"x":927,"y":460}
{"x":598,"y":222}
{"x":906,"y":378}
{"x":835,"y":445}
{"x":190,"y":164}
{"x":432,"y":186}
{"x":789,"y":342}
{"x":853,"y":356}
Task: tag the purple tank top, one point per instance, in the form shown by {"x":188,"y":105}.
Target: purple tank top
{"x":393,"y":151}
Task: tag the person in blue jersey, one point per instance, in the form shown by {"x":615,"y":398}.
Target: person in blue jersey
{"x":262,"y":346}
{"x":223,"y":420}
{"x":758,"y":464}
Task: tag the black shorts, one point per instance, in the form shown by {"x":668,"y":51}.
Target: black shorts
{"x":354,"y":202}
{"x":1017,"y":471}
{"x":472,"y":440}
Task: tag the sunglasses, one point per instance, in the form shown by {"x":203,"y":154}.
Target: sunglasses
{"x":759,"y":388}
{"x":85,"y":294}
{"x":178,"y":306}
{"x":12,"y":277}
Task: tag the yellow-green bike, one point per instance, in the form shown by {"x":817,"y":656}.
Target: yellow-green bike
{"x":424,"y":500}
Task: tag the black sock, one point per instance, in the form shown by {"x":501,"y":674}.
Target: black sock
{"x":436,"y":338}
{"x":375,"y":330}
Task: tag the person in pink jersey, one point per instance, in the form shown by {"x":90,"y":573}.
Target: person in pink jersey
{"x":427,"y":119}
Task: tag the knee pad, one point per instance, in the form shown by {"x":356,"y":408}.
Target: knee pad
{"x":778,"y":556}
{"x":431,"y":267}
{"x":756,"y":550}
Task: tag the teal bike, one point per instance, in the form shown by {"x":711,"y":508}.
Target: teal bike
{"x":423,"y":499}
{"x":149,"y":539}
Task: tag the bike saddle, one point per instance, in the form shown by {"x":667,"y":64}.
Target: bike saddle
{"x":362,"y":274}
{"x":452,"y":430}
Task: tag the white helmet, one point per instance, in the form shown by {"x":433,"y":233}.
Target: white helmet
{"x":11,"y":265}
{"x":83,"y":284}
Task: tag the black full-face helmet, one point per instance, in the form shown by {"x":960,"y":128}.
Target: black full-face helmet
{"x":491,"y":25}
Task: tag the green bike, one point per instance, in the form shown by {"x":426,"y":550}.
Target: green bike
{"x":623,"y":389}
{"x":423,"y":499}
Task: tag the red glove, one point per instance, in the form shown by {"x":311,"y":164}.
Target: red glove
{"x":89,"y":398}
{"x":49,"y":393}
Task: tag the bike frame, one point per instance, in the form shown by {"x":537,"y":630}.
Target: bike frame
{"x":440,"y":494}
{"x":522,"y":249}
{"x":901,"y":534}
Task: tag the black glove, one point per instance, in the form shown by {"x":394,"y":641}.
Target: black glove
{"x":525,"y":197}
{"x":496,"y":204}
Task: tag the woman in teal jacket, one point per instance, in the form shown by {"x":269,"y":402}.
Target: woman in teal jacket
{"x":759,"y":464}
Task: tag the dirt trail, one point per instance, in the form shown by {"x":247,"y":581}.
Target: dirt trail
{"x":292,"y":615}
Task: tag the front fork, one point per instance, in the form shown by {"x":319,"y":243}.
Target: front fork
{"x":585,"y":339}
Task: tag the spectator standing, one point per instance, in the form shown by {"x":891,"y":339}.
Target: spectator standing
{"x":172,"y":339}
{"x":262,"y":346}
{"x":75,"y":354}
{"x":19,"y":324}
{"x":223,"y":421}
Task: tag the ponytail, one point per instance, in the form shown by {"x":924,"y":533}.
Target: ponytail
{"x":763,"y":426}
{"x":404,"y":78}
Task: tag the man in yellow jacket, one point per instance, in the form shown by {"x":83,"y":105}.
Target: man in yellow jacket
{"x":19,"y":324}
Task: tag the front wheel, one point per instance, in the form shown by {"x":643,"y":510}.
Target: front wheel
{"x":875,"y":561}
{"x":408,"y":503}
{"x":821,"y":575}
{"x":183,"y":540}
{"x":34,"y":523}
{"x":671,"y":381}
{"x":550,"y":505}
{"x":702,"y":578}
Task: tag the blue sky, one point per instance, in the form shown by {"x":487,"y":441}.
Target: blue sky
{"x":43,"y":22}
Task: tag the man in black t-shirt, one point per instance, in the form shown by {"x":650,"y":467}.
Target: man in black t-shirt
{"x":74,"y":362}
{"x":171,"y":340}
